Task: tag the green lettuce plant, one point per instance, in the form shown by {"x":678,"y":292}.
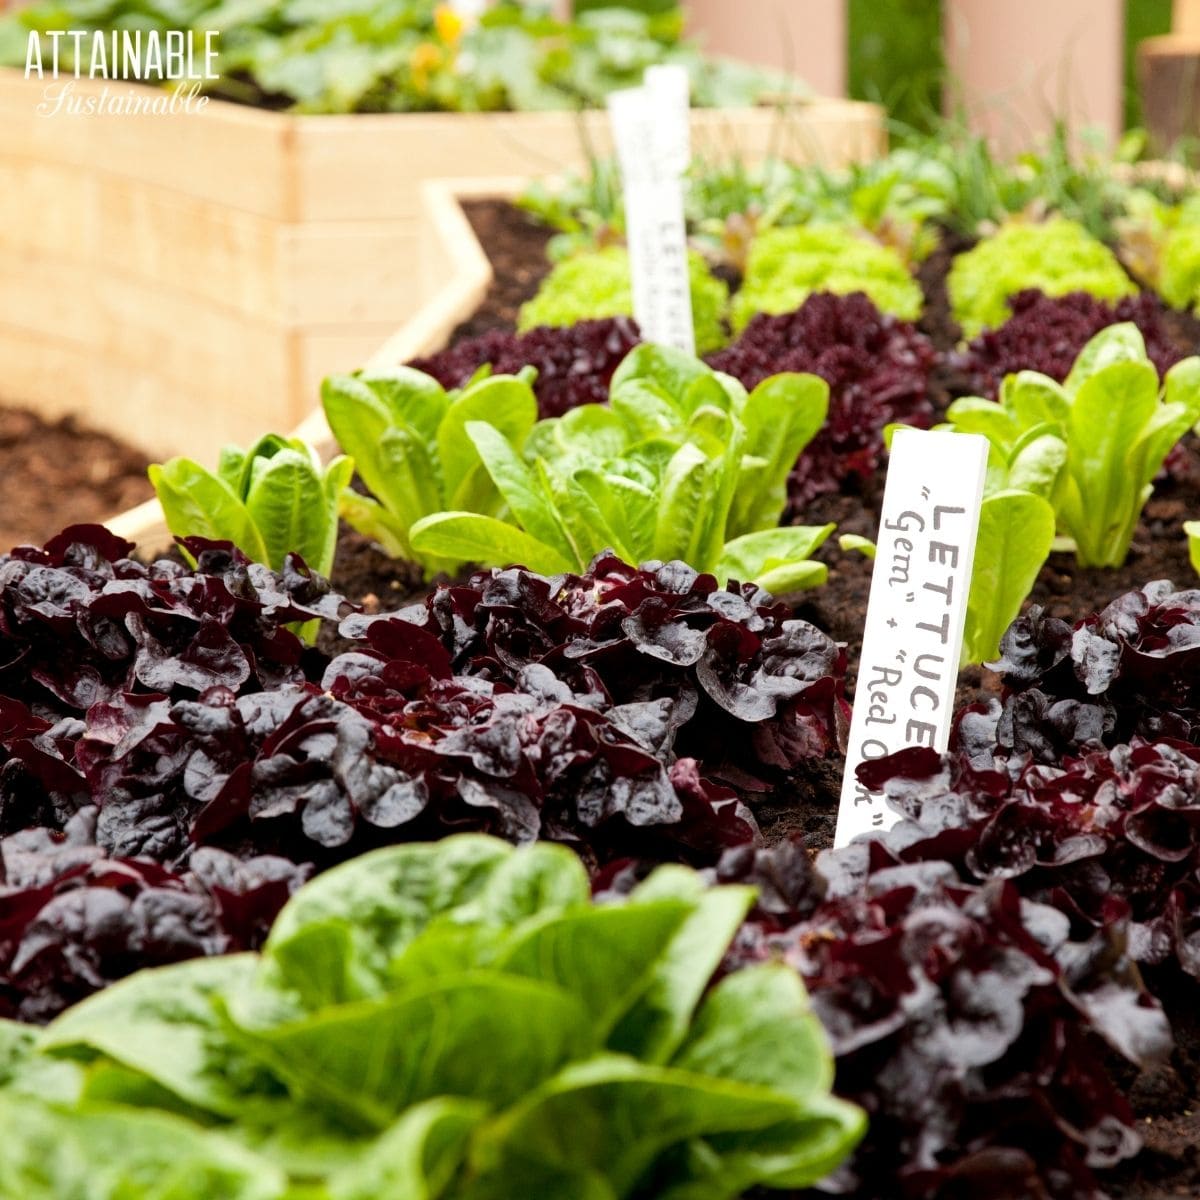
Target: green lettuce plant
{"x":1016,"y":534}
{"x":452,"y":1021}
{"x":270,"y":501}
{"x":407,"y":436}
{"x":1192,"y":529}
{"x":1057,"y":256}
{"x":597,"y":284}
{"x":786,"y":265}
{"x":1116,"y":427}
{"x":1179,"y":279}
{"x":681,"y":463}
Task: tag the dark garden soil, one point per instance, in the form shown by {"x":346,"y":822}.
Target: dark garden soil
{"x":1166,"y":1099}
{"x":516,"y":245}
{"x":59,"y":473}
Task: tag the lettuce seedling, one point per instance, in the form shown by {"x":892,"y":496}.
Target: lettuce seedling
{"x":407,"y":436}
{"x":681,"y":463}
{"x":455,"y":1019}
{"x":1057,"y":256}
{"x":1116,"y":428}
{"x":270,"y":501}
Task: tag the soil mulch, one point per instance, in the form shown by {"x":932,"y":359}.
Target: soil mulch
{"x":516,"y":245}
{"x":59,"y":473}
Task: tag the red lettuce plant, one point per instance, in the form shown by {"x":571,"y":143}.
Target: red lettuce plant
{"x":877,"y":368}
{"x":74,"y":919}
{"x":1110,"y":836}
{"x":753,"y":690}
{"x":1131,"y":669}
{"x":81,"y":622}
{"x":966,"y":1020}
{"x":1046,"y":334}
{"x":575,"y":363}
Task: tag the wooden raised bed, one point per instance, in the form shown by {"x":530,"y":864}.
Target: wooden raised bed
{"x":189,"y":279}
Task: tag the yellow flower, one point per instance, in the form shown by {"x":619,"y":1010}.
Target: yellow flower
{"x":449,"y":24}
{"x":424,"y":59}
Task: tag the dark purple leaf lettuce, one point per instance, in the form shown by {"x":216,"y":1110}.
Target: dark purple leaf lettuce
{"x":1132,"y":669}
{"x":74,"y":919}
{"x":81,"y":622}
{"x":1046,"y":334}
{"x":962,"y":1019}
{"x":606,"y":711}
{"x":1111,"y":836}
{"x":877,"y":368}
{"x":751,"y":689}
{"x":575,"y":363}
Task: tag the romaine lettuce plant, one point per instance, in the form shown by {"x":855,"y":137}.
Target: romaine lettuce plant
{"x":1055,"y":256}
{"x":445,"y":1020}
{"x":407,"y":436}
{"x":1116,"y":428}
{"x":1192,"y":529}
{"x":270,"y":501}
{"x":682,"y":463}
{"x":597,"y":284}
{"x":785,"y":266}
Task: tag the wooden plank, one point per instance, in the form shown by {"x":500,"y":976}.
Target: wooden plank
{"x":404,"y":150}
{"x":198,"y":247}
{"x":58,"y":379}
{"x":1185,"y":17}
{"x":351,"y":273}
{"x":237,"y":156}
{"x":216,"y":374}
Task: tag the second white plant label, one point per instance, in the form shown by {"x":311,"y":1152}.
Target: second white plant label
{"x":650,"y":128}
{"x":904,"y":695}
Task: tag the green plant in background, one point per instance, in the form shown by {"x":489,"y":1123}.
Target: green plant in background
{"x":407,"y":436}
{"x":1115,"y":428}
{"x":681,"y":463}
{"x":1192,"y":529}
{"x":896,"y":59}
{"x":414,"y":55}
{"x":786,"y":265}
{"x":1057,"y":256}
{"x":269,"y":501}
{"x":598,"y":284}
{"x":443,"y":1020}
{"x":587,"y":209}
{"x":1175,"y":230}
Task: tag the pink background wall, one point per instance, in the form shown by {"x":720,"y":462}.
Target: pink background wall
{"x":1019,"y":62}
{"x":807,"y":37}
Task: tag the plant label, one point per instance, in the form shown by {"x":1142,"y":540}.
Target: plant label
{"x":916,"y":611}
{"x":650,"y":130}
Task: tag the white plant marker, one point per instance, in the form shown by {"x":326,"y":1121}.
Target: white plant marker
{"x":650,"y":129}
{"x":916,"y":610}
